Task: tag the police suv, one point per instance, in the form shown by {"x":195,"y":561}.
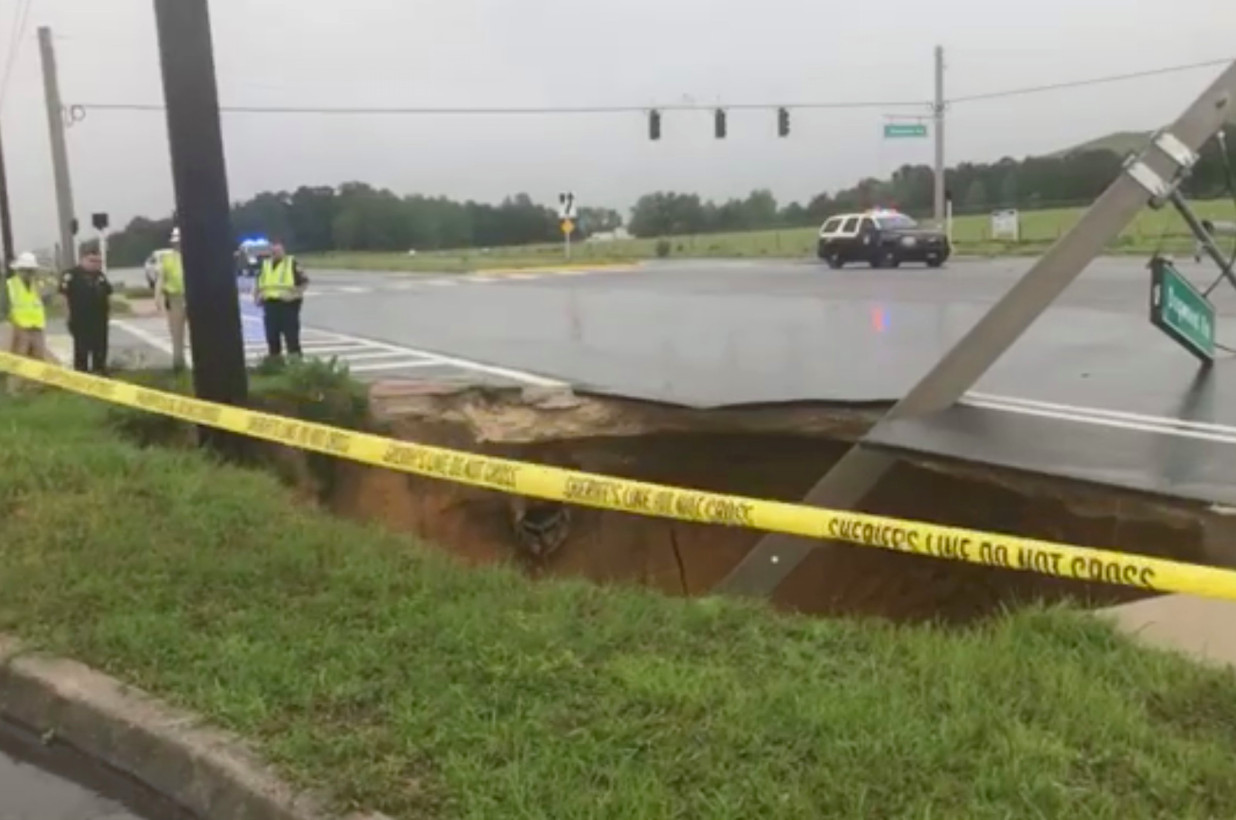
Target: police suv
{"x":250,"y":256}
{"x":883,"y":239}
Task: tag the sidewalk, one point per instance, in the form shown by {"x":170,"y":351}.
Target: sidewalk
{"x":1203,"y":628}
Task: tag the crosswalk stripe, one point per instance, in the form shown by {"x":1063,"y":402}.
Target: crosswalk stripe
{"x":60,"y":346}
{"x":409,"y":365}
{"x":360,"y":354}
{"x":380,"y":354}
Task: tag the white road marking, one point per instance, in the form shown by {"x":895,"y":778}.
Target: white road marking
{"x":376,"y":366}
{"x":466,"y":364}
{"x":370,"y":353}
{"x":1074,"y":409}
{"x":380,"y":354}
{"x":148,"y":338}
{"x":1113,"y":419}
{"x":60,"y":346}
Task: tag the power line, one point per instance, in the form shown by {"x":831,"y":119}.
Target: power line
{"x":1134,"y":75}
{"x":481,"y":111}
{"x":629,"y":109}
{"x":21,"y":16}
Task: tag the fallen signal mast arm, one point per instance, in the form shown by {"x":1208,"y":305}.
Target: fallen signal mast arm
{"x":857,"y":473}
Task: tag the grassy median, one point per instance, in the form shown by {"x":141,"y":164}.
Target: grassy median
{"x":361,"y":662}
{"x":1152,"y":230}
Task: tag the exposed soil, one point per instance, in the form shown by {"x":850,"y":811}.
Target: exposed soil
{"x":775,"y":452}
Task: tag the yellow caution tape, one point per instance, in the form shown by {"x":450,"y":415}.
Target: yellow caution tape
{"x":641,"y":498}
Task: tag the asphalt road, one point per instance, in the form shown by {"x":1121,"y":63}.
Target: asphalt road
{"x":28,"y":793}
{"x":724,"y":333}
{"x":1092,"y":391}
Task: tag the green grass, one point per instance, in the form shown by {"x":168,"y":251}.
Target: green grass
{"x":57,"y":308}
{"x":529,"y":256}
{"x":359,"y":661}
{"x":1151,"y":230}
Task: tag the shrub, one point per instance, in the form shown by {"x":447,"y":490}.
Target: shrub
{"x":663,"y":248}
{"x":320,"y":391}
{"x":140,"y":292}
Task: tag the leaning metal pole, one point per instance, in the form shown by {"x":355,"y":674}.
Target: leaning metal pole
{"x":1202,"y":236}
{"x":1149,"y":177}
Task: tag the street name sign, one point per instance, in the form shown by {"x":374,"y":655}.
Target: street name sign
{"x":902,"y":130}
{"x":1180,"y":311}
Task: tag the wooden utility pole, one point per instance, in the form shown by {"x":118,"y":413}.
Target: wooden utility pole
{"x":202,"y":206}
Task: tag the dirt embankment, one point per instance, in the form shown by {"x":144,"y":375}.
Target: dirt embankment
{"x":773,"y":453}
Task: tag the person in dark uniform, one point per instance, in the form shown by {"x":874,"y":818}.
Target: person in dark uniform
{"x":88,"y":295}
{"x":280,"y":291}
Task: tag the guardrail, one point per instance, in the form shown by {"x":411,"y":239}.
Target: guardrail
{"x":1068,"y":561}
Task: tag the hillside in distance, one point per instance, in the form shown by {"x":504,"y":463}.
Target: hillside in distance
{"x":1119,"y":142}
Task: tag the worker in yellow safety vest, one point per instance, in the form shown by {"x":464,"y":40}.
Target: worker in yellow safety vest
{"x":170,"y":298}
{"x":280,"y":291}
{"x":24,"y":308}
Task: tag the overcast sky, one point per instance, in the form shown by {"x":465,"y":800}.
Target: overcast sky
{"x":589,"y":52}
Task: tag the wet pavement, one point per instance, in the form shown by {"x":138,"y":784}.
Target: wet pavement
{"x":27,"y":793}
{"x":1091,"y":391}
{"x":62,"y":787}
{"x":710,"y":334}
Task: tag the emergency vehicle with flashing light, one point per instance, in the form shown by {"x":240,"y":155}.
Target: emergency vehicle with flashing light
{"x":250,"y":256}
{"x":882,"y":238}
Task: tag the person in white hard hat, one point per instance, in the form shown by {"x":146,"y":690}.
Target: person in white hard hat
{"x":24,"y":307}
{"x":170,"y":298}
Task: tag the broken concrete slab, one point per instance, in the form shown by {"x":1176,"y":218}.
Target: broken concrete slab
{"x":765,"y":452}
{"x":1202,"y":628}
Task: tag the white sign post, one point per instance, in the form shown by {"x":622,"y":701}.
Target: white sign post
{"x":566,"y":216}
{"x":1006,"y":224}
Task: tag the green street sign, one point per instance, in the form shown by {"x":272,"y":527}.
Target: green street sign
{"x":900,"y":130}
{"x":1180,"y":311}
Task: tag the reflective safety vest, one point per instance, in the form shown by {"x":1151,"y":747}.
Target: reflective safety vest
{"x":25,"y":305}
{"x":278,"y":280}
{"x":173,"y":274}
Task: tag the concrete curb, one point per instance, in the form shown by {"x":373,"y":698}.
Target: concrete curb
{"x":208,"y":772}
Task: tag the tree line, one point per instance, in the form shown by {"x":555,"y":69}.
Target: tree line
{"x":358,"y":217}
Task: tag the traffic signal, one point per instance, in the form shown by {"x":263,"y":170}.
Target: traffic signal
{"x":654,"y":124}
{"x":720,"y":123}
{"x":783,"y":122}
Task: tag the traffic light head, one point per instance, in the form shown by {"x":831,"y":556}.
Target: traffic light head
{"x":654,"y":125}
{"x":783,"y":122}
{"x":720,"y":123}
